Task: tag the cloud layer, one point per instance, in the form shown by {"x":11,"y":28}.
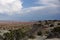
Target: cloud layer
{"x":49,"y":2}
{"x":15,"y":6}
{"x":10,"y":6}
{"x":48,"y":9}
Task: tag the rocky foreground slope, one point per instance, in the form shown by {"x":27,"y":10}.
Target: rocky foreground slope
{"x":46,"y":29}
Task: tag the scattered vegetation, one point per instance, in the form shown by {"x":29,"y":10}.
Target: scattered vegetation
{"x":20,"y":31}
{"x":55,"y":33}
{"x":39,"y":33}
{"x":31,"y":37}
{"x":14,"y":35}
{"x":56,"y":29}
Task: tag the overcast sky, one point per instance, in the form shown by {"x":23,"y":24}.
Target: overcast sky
{"x":29,"y":10}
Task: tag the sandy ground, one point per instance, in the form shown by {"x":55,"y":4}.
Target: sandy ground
{"x":53,"y":39}
{"x":43,"y":38}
